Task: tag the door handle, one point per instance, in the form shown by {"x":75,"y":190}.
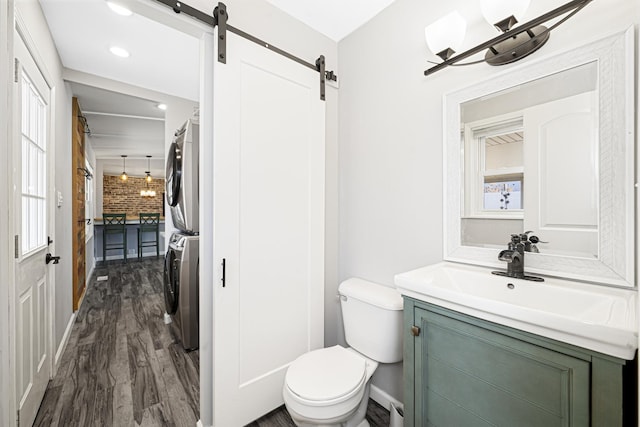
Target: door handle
{"x":224,"y":273}
{"x":48,"y":258}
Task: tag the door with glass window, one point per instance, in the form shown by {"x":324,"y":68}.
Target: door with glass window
{"x":31,"y":177}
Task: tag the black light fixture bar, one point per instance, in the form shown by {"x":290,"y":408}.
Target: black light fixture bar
{"x":220,"y":18}
{"x":573,"y":6}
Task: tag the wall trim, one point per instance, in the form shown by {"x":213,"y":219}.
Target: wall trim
{"x":383,"y":398}
{"x":91,"y":270}
{"x":63,"y":342}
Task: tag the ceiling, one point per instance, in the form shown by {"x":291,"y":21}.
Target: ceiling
{"x":120,"y":124}
{"x":335,"y":19}
{"x":161,"y":59}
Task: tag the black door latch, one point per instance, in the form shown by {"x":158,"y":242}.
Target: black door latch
{"x":49,"y":258}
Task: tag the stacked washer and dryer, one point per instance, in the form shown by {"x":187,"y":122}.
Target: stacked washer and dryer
{"x":182,"y":260}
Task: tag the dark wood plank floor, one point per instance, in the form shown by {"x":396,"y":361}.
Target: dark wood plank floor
{"x":376,"y":415}
{"x":124,"y":367}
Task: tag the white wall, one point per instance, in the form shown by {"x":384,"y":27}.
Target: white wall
{"x":391,"y":132}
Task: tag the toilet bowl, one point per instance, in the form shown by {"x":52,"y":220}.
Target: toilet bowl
{"x":330,"y":386}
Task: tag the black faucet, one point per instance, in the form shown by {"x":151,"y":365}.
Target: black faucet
{"x":514,"y":257}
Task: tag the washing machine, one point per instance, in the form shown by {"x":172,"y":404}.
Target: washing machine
{"x":182,"y":177}
{"x":181,"y":286}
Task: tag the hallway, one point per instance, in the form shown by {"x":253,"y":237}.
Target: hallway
{"x":123,"y":366}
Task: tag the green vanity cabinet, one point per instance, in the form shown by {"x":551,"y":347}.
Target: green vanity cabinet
{"x":461,"y":371}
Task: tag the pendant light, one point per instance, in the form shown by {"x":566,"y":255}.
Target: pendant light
{"x":147,"y":192}
{"x":148,"y":171}
{"x":124,"y":175}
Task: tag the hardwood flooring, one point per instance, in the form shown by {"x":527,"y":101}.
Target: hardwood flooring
{"x":124,"y":367}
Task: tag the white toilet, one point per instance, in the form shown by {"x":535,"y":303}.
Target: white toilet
{"x":330,"y":386}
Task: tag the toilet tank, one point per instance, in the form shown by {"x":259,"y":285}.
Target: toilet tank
{"x":372,"y":316}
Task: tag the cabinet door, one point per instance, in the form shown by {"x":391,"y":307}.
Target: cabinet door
{"x":468,"y":376}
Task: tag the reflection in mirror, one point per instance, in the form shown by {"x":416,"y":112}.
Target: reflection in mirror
{"x":531,"y":164}
{"x":572,"y":175}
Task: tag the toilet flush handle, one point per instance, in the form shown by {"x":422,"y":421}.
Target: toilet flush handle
{"x":341,"y":297}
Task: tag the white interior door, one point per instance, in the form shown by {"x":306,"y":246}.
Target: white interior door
{"x":31,"y":175}
{"x":561,"y":170}
{"x":268,"y":226}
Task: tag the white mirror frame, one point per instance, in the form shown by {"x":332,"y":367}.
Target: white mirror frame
{"x":616,"y":230}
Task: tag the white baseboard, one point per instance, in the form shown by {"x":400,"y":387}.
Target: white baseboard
{"x":64,"y":340}
{"x":383,"y":398}
{"x":93,"y":267}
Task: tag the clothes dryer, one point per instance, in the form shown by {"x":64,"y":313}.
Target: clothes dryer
{"x":181,"y":286}
{"x":182,"y":177}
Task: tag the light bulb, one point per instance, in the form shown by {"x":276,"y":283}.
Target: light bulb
{"x":446,"y":32}
{"x":118,"y":51}
{"x":119,"y":9}
{"x":124,"y":176}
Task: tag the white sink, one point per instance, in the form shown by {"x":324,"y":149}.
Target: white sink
{"x":598,"y":318}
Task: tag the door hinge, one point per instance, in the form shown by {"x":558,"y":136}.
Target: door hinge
{"x":16,"y":67}
{"x":17,"y":418}
{"x":220,"y":16}
{"x":16,"y":246}
{"x":320,"y":66}
{"x":415,"y":331}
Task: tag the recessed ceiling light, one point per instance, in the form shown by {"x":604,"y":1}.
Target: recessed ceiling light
{"x":120,"y":10}
{"x":118,"y":51}
{"x":163,"y":107}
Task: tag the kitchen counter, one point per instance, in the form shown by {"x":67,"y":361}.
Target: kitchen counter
{"x":130,"y":220}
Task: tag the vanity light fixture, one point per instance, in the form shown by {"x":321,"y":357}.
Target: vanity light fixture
{"x":512,"y":45}
{"x":118,"y":51}
{"x":119,"y":9}
{"x":124,"y":175}
{"x":148,"y":171}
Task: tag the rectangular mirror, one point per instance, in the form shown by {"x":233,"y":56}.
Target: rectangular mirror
{"x":547,"y":148}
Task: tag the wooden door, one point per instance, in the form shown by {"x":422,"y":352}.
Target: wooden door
{"x":32,"y":204}
{"x":78,"y":208}
{"x":268,"y":226}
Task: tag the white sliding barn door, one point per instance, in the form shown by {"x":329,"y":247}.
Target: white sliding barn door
{"x":268,"y":226}
{"x":31,"y":175}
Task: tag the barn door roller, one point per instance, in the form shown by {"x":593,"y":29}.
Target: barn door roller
{"x":220,"y":18}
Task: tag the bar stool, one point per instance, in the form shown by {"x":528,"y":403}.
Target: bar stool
{"x":114,"y":224}
{"x":149,"y":223}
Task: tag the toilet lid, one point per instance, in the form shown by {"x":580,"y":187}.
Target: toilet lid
{"x":326,"y":374}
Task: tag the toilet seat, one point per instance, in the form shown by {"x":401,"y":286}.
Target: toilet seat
{"x":326,"y":377}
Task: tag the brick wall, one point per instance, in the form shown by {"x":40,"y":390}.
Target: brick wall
{"x":119,"y":196}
